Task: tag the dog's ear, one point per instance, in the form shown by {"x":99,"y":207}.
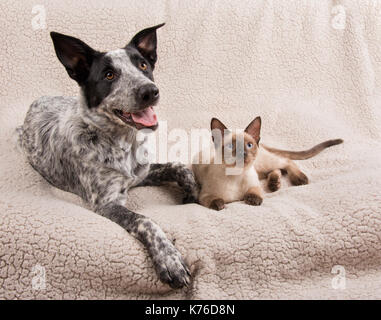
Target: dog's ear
{"x":254,"y":129}
{"x":74,"y":54}
{"x":146,"y":43}
{"x":218,"y":131}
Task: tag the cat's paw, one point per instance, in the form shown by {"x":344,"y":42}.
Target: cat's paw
{"x":274,"y":183}
{"x":299,"y":179}
{"x":253,"y":199}
{"x":217,"y":204}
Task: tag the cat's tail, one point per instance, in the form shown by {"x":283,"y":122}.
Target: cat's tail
{"x":306,"y":154}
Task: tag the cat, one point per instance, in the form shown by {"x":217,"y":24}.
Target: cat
{"x":219,"y":187}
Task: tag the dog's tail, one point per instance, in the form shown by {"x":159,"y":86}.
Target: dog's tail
{"x":306,"y":154}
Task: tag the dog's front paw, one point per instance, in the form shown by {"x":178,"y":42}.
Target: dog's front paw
{"x":190,"y":198}
{"x":186,"y":180}
{"x":253,"y":199}
{"x":170,"y":266}
{"x":191,"y":193}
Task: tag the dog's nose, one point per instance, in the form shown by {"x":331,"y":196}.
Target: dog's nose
{"x":147,"y":94}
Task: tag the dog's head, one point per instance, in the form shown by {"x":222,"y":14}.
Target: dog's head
{"x":236,"y":146}
{"x":117,"y":86}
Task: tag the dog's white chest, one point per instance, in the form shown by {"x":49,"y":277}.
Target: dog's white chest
{"x":132,"y":160}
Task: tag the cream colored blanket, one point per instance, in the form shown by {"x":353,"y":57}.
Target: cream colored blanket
{"x":311,"y":69}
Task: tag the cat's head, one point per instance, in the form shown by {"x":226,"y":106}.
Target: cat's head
{"x":236,"y":147}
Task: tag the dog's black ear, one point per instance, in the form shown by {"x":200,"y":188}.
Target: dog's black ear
{"x":146,"y":43}
{"x":254,"y":129}
{"x":74,"y":54}
{"x":218,"y":130}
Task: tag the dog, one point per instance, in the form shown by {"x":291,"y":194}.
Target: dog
{"x":89,"y":145}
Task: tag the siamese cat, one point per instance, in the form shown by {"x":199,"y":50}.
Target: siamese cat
{"x":258,"y":161}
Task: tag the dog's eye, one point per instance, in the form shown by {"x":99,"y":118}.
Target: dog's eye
{"x":143,"y":66}
{"x":110,"y":75}
{"x":249,"y":145}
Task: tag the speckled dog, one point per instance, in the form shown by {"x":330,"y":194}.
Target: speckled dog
{"x":89,"y":145}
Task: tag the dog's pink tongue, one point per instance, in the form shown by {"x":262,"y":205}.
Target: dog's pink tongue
{"x":147,"y":117}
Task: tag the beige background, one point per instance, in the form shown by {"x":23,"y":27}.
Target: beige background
{"x":235,"y":60}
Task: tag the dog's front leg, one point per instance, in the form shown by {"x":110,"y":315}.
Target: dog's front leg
{"x":107,"y":192}
{"x":167,"y":260}
{"x":173,"y":172}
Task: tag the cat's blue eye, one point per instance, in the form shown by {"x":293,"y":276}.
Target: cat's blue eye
{"x":229,"y":146}
{"x":249,"y":145}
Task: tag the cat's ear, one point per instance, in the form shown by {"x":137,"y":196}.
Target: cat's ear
{"x":218,"y":130}
{"x":254,"y":129}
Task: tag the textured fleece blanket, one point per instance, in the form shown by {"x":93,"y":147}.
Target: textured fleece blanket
{"x":311,"y":69}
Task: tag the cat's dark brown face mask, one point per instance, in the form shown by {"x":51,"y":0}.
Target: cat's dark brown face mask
{"x":239,"y":148}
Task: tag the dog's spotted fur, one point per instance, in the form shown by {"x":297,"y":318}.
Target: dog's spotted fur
{"x":170,"y":172}
{"x":79,"y":144}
